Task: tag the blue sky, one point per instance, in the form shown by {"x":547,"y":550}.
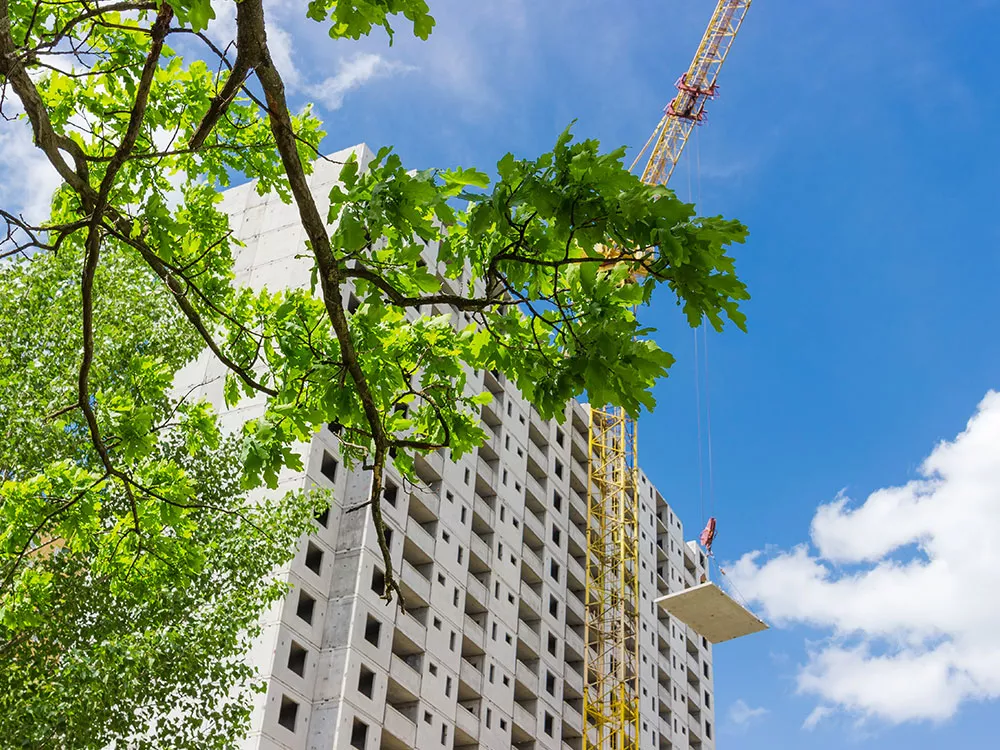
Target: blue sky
{"x":858,"y":142}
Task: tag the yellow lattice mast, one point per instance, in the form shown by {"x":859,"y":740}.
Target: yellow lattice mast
{"x":610,"y":696}
{"x":611,"y":659}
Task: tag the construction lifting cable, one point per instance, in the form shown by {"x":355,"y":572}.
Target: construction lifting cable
{"x":710,"y":532}
{"x":708,"y":421}
{"x":697,"y":404}
{"x":704,"y":328}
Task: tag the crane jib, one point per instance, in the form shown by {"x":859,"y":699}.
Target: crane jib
{"x":695,"y":88}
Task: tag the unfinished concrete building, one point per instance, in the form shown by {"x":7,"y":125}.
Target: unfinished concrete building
{"x":490,"y":551}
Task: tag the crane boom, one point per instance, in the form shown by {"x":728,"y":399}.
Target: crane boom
{"x":694,"y":89}
{"x":611,"y":627}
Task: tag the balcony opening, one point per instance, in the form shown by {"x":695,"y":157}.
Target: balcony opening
{"x":304,"y":608}
{"x":359,"y":734}
{"x":288,"y":713}
{"x":366,"y":681}
{"x":328,"y":468}
{"x":297,"y":659}
{"x":314,"y":558}
{"x":378,"y":582}
{"x":373,"y":631}
{"x":390,"y":493}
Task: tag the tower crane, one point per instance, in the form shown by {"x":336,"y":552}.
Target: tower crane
{"x":611,"y":652}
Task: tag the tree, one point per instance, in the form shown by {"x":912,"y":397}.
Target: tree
{"x":548,"y":260}
{"x":108,"y":630}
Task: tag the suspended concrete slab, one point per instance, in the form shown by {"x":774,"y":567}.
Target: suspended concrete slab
{"x":711,"y":612}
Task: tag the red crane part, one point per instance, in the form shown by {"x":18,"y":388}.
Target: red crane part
{"x":708,"y":535}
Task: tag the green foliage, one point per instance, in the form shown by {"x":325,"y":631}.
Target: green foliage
{"x":147,"y":656}
{"x":194,"y":13}
{"x":132,"y":565}
{"x":109,"y":633}
{"x":355,"y":19}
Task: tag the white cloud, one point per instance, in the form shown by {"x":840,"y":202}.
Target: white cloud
{"x":352,"y":74}
{"x":906,"y":585}
{"x":222,"y":29}
{"x":742,"y":715}
{"x":280,"y":16}
{"x":31,"y":180}
{"x":816,"y":716}
{"x":287,"y":35}
{"x":281,"y":44}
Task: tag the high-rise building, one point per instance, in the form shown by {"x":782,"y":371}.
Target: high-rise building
{"x":490,"y":551}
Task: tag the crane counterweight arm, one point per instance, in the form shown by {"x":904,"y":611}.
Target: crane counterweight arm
{"x":694,"y":89}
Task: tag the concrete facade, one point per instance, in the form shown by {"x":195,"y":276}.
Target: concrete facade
{"x":490,"y":550}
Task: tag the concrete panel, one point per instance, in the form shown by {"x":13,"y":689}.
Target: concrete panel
{"x":399,"y":726}
{"x":710,"y":612}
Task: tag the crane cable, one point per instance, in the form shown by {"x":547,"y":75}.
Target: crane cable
{"x":705,"y":372}
{"x":697,"y":404}
{"x":700,"y":374}
{"x":704,"y":339}
{"x":697,"y":387}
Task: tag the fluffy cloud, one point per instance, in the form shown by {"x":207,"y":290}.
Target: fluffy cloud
{"x":741,"y":715}
{"x":905,"y":584}
{"x":31,"y":179}
{"x":287,"y":32}
{"x":352,"y":74}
